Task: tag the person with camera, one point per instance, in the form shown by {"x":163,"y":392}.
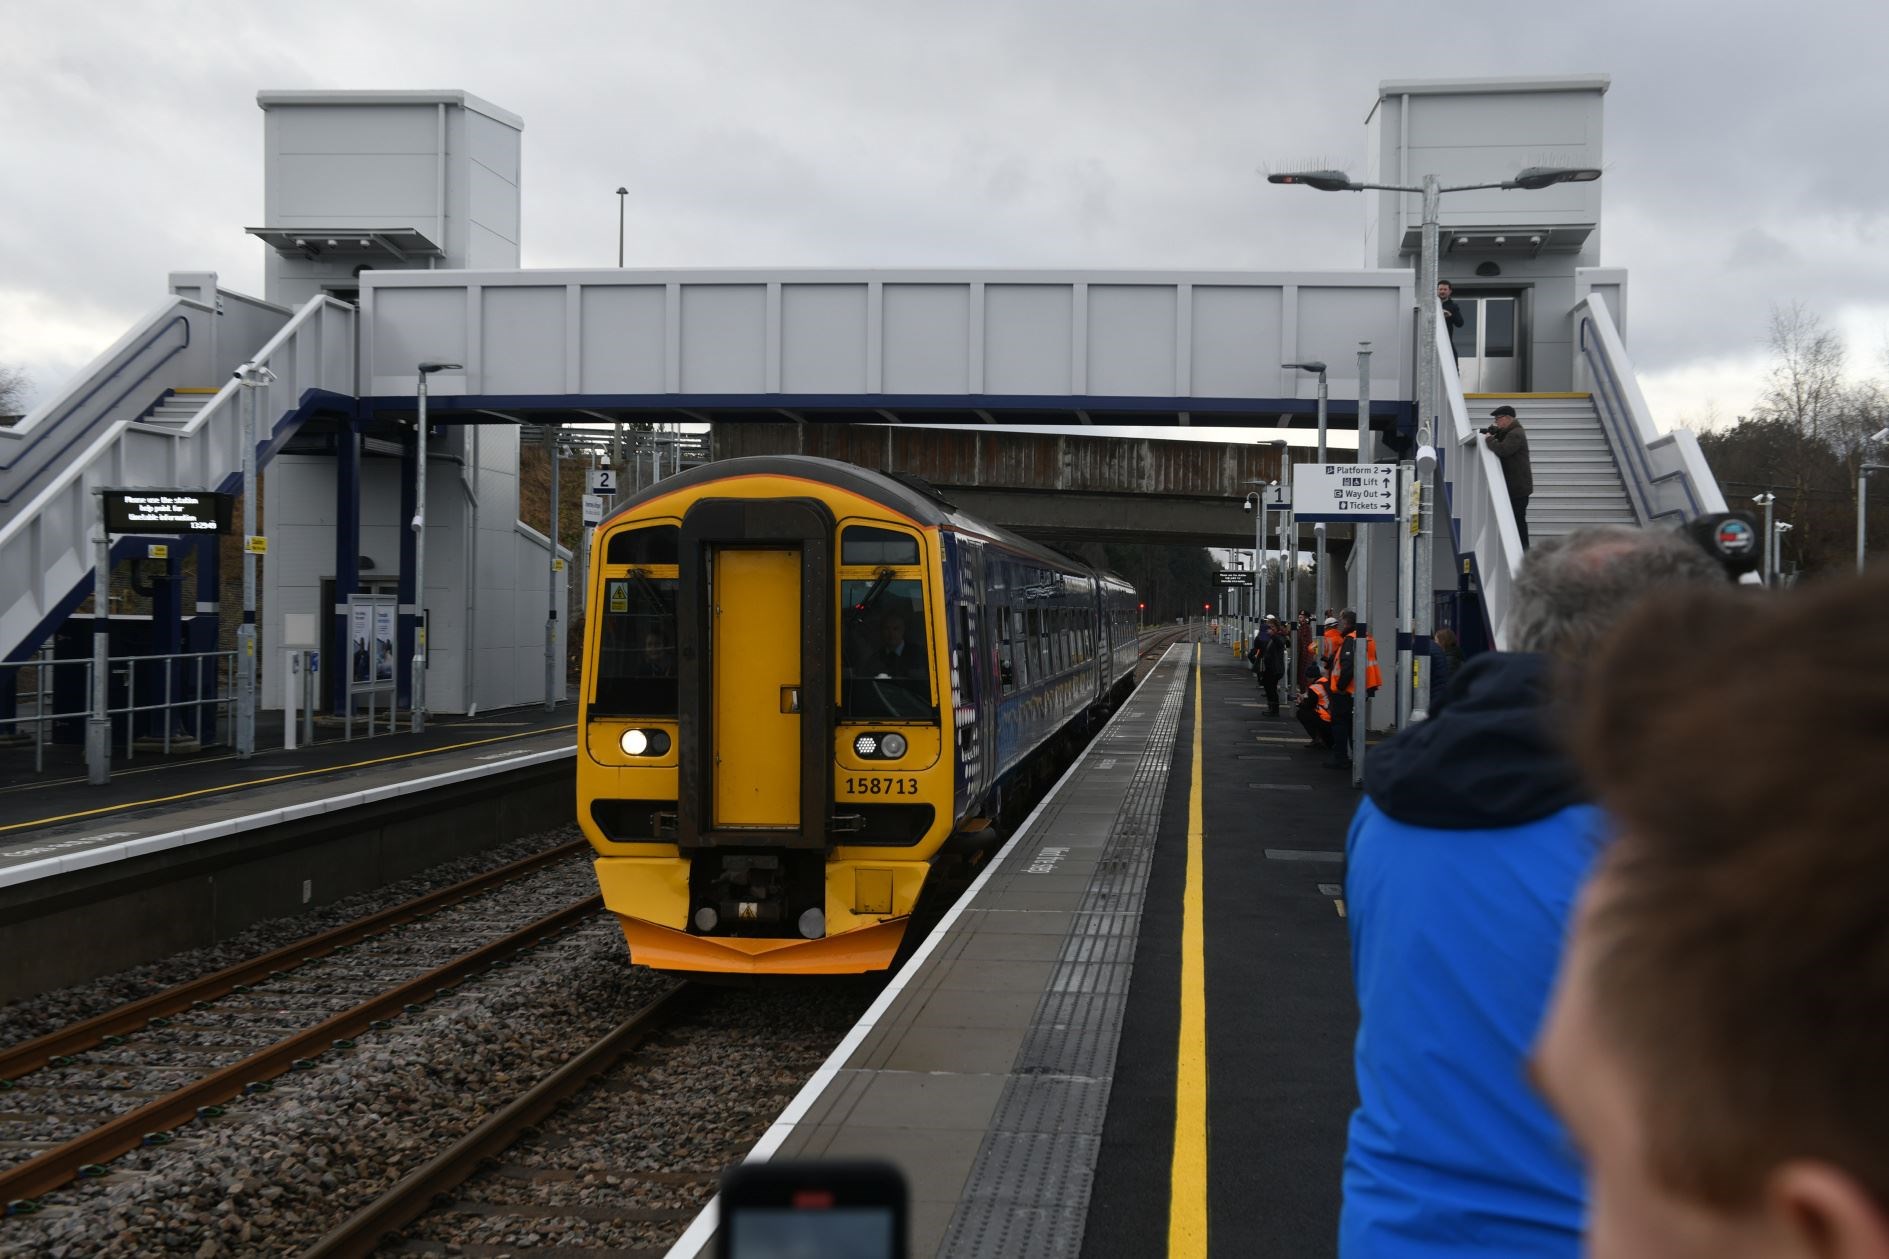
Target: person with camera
{"x":1510,"y":444}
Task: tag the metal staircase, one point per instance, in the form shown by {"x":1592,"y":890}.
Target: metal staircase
{"x":1598,"y":458}
{"x":1577,"y":480}
{"x":141,"y":415}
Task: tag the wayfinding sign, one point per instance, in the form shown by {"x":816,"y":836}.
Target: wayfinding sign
{"x":593,"y":509}
{"x":1234,"y":577}
{"x":1344,"y":491}
{"x":602,"y":480}
{"x":167,"y":511}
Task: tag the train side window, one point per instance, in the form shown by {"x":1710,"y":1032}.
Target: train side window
{"x":651,"y":545}
{"x":864,"y":544}
{"x":1006,"y":650}
{"x":1020,"y":646}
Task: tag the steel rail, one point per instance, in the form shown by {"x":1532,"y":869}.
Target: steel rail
{"x":27,"y":1056}
{"x":416,"y":1193}
{"x":63,"y":1163}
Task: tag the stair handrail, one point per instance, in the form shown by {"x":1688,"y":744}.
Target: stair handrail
{"x":1478,"y":498}
{"x":55,"y":417}
{"x":290,"y":384}
{"x":1626,"y":418}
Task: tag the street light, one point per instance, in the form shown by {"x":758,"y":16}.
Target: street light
{"x":621,"y":193}
{"x":1777,"y":549}
{"x":1765,"y":500}
{"x":1862,"y":492}
{"x":1256,"y":503}
{"x":1530,"y":178}
{"x":416,"y":717}
{"x":1318,"y":530}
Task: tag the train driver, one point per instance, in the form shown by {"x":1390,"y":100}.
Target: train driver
{"x":896,"y":657}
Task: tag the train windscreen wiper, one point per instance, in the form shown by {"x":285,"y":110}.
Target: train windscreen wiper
{"x":878,"y":587}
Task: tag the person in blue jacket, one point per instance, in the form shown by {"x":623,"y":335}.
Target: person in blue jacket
{"x":1463,"y":862}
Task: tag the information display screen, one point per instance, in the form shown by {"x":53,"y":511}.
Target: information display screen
{"x":167,"y":511}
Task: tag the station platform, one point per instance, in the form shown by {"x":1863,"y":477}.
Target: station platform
{"x":182,"y":852}
{"x":1132,"y":1035}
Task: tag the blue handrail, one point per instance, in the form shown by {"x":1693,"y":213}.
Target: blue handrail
{"x":51,"y":423}
{"x":1610,"y":405}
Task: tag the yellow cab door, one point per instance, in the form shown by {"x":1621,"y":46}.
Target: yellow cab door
{"x":756,"y":659}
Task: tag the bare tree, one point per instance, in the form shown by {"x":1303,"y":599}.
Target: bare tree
{"x":1805,"y":386}
{"x":13,"y":385}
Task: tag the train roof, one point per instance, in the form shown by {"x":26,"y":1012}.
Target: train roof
{"x":908,"y":498}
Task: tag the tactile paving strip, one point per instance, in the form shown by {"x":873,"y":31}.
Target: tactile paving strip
{"x":1028,"y":1192}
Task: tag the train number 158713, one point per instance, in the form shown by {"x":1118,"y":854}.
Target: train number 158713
{"x":863,"y":785}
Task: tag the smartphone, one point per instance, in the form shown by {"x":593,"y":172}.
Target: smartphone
{"x":813,"y":1210}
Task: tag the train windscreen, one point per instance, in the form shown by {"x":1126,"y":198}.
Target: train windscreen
{"x":636,"y":653}
{"x":883,"y":668}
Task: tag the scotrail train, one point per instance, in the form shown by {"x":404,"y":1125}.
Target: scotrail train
{"x":804,"y":684}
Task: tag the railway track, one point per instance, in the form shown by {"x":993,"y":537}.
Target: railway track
{"x":76,"y":1098}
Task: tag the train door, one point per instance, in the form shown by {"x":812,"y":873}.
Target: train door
{"x":755,"y":649}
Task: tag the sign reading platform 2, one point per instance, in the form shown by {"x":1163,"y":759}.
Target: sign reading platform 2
{"x":1344,"y":491}
{"x":166,"y":511}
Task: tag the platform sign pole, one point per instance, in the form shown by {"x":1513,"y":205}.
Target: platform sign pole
{"x":1409,"y":521}
{"x":416,"y":699}
{"x":551,"y":579}
{"x":1321,"y":590}
{"x":1360,"y":697}
{"x":98,"y":727}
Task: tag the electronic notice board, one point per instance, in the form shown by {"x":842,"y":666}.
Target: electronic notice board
{"x":167,"y":511}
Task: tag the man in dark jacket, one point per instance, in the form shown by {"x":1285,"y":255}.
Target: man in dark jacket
{"x":1452,"y":314}
{"x":1462,"y":866}
{"x":1272,"y":664}
{"x":1510,"y":444}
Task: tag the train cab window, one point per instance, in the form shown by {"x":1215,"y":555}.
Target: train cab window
{"x":636,"y":652}
{"x":883,"y":661}
{"x":656,"y":544}
{"x":863,"y":544}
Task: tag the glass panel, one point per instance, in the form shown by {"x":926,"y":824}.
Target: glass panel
{"x":1463,"y":335}
{"x":1498,"y":327}
{"x":636,"y":652}
{"x":883,"y":670}
{"x":653,"y":544}
{"x":863,"y":544}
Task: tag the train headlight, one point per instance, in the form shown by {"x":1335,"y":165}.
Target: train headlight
{"x":644,"y":742}
{"x":892,"y":746}
{"x":866,"y":745}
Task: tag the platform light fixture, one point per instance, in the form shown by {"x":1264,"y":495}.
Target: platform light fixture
{"x":1531,"y":178}
{"x":417,"y":700}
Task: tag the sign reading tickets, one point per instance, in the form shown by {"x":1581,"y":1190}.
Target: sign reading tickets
{"x":1364,"y":492}
{"x":167,"y":511}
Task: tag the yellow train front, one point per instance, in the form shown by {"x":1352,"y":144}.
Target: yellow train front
{"x":802,"y":680}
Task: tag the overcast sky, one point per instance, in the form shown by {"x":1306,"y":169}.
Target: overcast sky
{"x":1742,"y":146}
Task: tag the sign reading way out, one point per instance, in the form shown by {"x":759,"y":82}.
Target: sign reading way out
{"x":166,"y":511}
{"x":1344,"y":491}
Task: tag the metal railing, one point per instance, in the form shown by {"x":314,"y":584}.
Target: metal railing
{"x":1627,"y":420}
{"x":1478,"y":497}
{"x":185,"y":672}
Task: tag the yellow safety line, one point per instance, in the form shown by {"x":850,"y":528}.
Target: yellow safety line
{"x":1187,"y":1191}
{"x":259,"y":782}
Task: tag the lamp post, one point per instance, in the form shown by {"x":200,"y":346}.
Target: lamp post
{"x":1862,"y":493}
{"x":417,"y":703}
{"x":1256,"y":503}
{"x":621,"y":193}
{"x":253,"y":377}
{"x":1777,"y":550}
{"x":1765,"y":500}
{"x":1319,"y":591}
{"x":1530,"y":179}
{"x":1282,"y":495}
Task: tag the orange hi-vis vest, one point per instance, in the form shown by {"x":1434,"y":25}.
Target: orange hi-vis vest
{"x":1372,"y":678}
{"x":1321,"y":691}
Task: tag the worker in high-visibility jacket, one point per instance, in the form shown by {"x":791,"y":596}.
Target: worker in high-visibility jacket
{"x":1344,"y":686}
{"x":1315,"y":713}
